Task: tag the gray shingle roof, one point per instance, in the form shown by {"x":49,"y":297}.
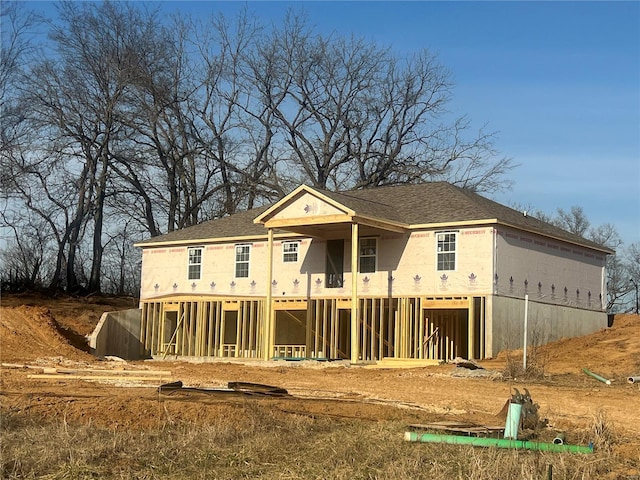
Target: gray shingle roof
{"x":426,"y":203}
{"x":236,"y":225}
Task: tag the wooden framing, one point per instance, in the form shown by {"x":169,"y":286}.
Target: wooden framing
{"x":429,"y":328}
{"x":203,"y":327}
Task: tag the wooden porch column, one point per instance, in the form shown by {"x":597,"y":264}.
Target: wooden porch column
{"x":354,"y":294}
{"x":267,"y":333}
{"x":472,"y":331}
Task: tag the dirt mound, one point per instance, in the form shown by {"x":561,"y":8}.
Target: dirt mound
{"x":613,"y":352}
{"x":32,"y":332}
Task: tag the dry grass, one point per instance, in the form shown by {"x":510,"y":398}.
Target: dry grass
{"x":275,"y":445}
{"x":536,"y":363}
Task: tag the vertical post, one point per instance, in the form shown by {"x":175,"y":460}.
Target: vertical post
{"x":472,"y":329}
{"x":267,"y":323}
{"x":482,"y":345}
{"x":526,"y":320}
{"x":354,"y":293}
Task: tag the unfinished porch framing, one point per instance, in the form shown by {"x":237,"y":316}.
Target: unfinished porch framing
{"x":428,"y":327}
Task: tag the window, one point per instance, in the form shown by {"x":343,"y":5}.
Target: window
{"x":446,"y":250}
{"x":290,"y":251}
{"x":195,"y":263}
{"x":242,"y":260}
{"x":368,"y":253}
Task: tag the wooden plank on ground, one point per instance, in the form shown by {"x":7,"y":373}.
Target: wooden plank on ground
{"x":458,"y":427}
{"x":66,"y":376}
{"x":162,"y":373}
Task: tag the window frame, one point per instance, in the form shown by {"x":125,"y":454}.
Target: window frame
{"x":442,"y":263}
{"x":296,"y":252}
{"x":237,"y":262}
{"x":194,"y":264}
{"x":361,"y":255}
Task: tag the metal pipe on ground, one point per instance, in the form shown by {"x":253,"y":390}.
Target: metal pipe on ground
{"x":494,"y":442}
{"x":596,"y":376}
{"x":634,"y":379}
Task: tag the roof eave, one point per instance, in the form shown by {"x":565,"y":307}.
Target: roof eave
{"x":461,"y":223}
{"x":200,"y":241}
{"x":585,"y":244}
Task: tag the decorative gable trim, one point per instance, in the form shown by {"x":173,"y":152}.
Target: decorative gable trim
{"x":269,"y":214}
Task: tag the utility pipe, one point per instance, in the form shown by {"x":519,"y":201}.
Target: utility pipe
{"x":494,"y":442}
{"x":513,"y":421}
{"x":559,"y":439}
{"x":524,"y":341}
{"x":596,"y":376}
{"x":633,"y":379}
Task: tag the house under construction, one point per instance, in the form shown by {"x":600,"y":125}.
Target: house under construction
{"x":426,"y":271}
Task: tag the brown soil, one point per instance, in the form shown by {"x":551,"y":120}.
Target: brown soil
{"x":47,"y":333}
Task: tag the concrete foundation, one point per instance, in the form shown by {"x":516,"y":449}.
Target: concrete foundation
{"x":118,"y":334}
{"x":547,"y":323}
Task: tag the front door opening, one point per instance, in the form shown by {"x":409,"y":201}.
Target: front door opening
{"x":335,"y":264}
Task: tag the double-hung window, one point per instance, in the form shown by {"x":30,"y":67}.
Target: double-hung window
{"x":243,"y":252}
{"x":290,"y":251}
{"x":195,"y":263}
{"x":446,"y":250}
{"x":368,"y":252}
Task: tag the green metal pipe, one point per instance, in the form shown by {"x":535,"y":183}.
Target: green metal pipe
{"x":596,"y":376}
{"x":494,"y":442}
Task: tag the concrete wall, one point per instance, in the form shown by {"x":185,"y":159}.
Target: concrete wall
{"x":118,"y":334}
{"x":546,"y":323}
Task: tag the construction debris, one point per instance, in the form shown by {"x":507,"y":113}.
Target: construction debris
{"x":466,"y":428}
{"x":65,"y":376}
{"x":465,"y":363}
{"x":597,"y":377}
{"x":233,"y":389}
{"x":495,"y":442}
{"x":58,"y":373}
{"x":529,"y":419}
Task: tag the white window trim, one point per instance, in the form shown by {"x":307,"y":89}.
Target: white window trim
{"x":235,"y":260}
{"x":455,"y":250}
{"x":189,"y":264}
{"x":375,"y":266}
{"x":297,"y":252}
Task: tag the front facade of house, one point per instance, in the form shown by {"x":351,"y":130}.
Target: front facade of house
{"x":418,"y":271}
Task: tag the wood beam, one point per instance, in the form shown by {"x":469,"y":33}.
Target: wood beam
{"x":268,"y":337}
{"x":299,"y":221}
{"x":354,"y":293}
{"x":472,"y":329}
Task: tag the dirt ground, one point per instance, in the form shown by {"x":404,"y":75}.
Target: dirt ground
{"x":40,"y":332}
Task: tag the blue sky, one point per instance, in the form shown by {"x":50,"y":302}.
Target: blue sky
{"x":558,"y":81}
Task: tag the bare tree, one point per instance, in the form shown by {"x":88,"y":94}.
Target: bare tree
{"x":358,"y":116}
{"x":16,"y":47}
{"x":619,"y":267}
{"x":78,"y":98}
{"x":574,"y":221}
{"x":132,"y":123}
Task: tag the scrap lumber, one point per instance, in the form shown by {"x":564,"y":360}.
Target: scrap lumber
{"x":470,"y":429}
{"x":160,"y":373}
{"x":67,"y":376}
{"x":81,"y":371}
{"x":391,"y":362}
{"x":234,"y":389}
